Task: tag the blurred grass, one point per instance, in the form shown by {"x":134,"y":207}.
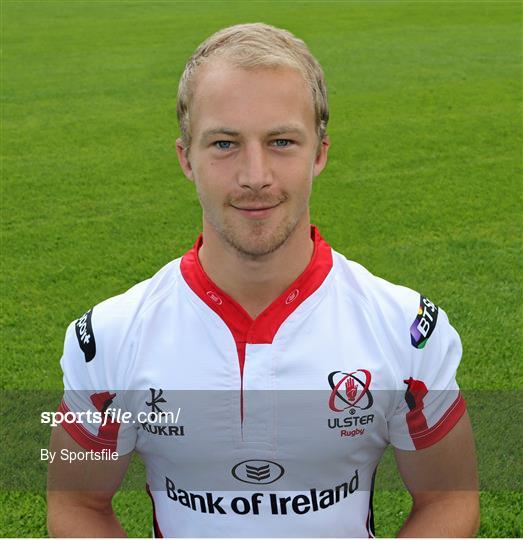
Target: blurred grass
{"x":423,"y":184}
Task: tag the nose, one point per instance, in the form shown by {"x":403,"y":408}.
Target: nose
{"x":254,"y":171}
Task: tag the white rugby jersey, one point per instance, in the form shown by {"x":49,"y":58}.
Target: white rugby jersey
{"x":277,"y":424}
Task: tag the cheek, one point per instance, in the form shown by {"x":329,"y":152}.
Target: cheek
{"x":210,"y":190}
{"x":300,"y":176}
{"x":211,"y":172}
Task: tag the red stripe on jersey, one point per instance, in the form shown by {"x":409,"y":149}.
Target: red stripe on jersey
{"x":422,"y":436}
{"x":416,"y":421}
{"x":109,"y":430}
{"x":434,"y":434}
{"x":84,"y":437}
{"x":262,"y":329}
{"x":157,"y":530}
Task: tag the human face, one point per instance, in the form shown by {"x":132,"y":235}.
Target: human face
{"x":253,"y":155}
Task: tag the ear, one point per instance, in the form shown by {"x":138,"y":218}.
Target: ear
{"x":183,"y":159}
{"x":321,"y":156}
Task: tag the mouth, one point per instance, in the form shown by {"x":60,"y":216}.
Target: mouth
{"x":256,"y":211}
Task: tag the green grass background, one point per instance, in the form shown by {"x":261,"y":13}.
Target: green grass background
{"x":423,"y":185}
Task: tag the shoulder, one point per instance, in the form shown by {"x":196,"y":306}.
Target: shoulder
{"x":393,"y":302}
{"x":409,"y":315}
{"x":104,"y":327}
{"x":416,"y":339}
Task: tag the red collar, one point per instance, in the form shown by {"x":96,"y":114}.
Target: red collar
{"x":264,"y":327}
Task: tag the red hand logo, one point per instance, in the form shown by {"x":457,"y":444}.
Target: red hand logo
{"x":350,"y":389}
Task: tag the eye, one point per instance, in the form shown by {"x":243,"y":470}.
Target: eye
{"x":282,"y":143}
{"x":222,"y":145}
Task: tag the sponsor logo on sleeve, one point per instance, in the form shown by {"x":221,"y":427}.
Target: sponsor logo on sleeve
{"x":85,"y":335}
{"x":424,"y":323}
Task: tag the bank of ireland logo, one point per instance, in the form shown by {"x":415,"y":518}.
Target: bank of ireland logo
{"x":257,"y":471}
{"x":350,"y":391}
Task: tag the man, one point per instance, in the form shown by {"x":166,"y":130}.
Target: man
{"x":289,"y":368}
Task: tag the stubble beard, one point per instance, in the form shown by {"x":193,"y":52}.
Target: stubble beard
{"x":254,"y":240}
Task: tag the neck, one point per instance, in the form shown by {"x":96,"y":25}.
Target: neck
{"x":255,"y":283}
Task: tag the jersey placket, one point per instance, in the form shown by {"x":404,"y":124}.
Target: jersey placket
{"x":254,"y":337}
{"x":258,"y":399}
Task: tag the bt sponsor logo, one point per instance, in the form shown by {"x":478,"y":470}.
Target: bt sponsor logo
{"x":424,"y":323}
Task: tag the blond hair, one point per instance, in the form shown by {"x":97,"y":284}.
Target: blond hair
{"x":254,"y":46}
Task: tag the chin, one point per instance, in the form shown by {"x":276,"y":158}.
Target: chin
{"x":258,"y":243}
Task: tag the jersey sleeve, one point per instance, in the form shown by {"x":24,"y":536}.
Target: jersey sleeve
{"x":94,"y":399}
{"x":430,"y":403}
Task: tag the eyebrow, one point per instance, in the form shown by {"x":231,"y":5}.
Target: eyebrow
{"x":279,"y":130}
{"x":219,"y":131}
{"x":290,"y":128}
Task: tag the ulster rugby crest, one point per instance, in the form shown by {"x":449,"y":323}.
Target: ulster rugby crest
{"x":350,"y":393}
{"x":350,"y":390}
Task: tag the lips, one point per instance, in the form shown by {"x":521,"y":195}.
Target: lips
{"x":256,"y":212}
{"x":255,"y":208}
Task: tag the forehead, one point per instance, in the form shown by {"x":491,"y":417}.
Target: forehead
{"x":250,"y":100}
